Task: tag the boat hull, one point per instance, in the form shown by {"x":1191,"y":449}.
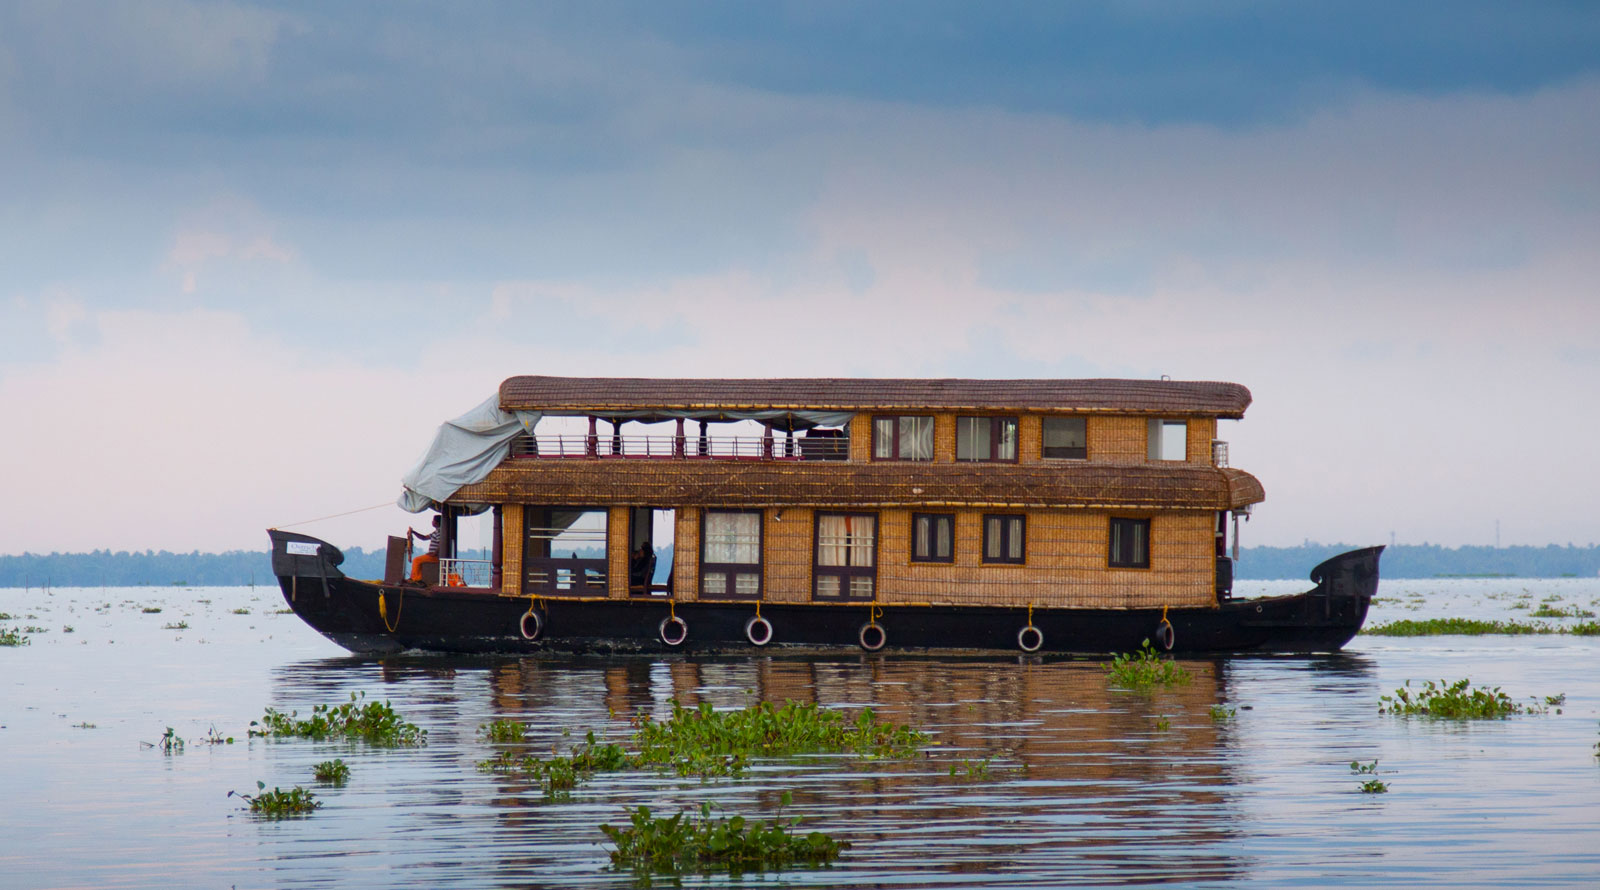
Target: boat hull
{"x":366,"y":617}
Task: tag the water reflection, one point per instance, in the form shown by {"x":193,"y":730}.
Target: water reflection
{"x":1084,"y":781}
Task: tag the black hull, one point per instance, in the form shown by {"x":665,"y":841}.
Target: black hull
{"x":347,"y":612}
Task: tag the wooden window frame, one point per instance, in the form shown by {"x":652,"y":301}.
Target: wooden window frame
{"x":1113,"y":559}
{"x":729,"y":569}
{"x":995,"y":424}
{"x":1044,"y":449}
{"x":933,"y":536}
{"x":894,"y":439}
{"x":1005,"y":539}
{"x":583,"y":584}
{"x":844,"y":573}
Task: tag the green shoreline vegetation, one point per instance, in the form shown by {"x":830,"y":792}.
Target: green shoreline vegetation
{"x":1410,"y":627}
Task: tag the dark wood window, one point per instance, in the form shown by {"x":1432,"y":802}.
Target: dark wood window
{"x":845,"y":560}
{"x":564,"y":550}
{"x":730,"y":554}
{"x":933,"y":537}
{"x":902,"y":438}
{"x":1065,"y":438}
{"x":986,"y":438}
{"x":1130,"y":544}
{"x":1004,"y":536}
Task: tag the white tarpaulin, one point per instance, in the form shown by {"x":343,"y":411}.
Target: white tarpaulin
{"x":463,"y":452}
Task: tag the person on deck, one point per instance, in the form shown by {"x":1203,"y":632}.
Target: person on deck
{"x":435,"y":541}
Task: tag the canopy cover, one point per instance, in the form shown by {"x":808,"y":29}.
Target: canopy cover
{"x":464,"y":450}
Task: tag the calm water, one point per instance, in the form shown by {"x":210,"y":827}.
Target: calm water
{"x":1084,"y":787}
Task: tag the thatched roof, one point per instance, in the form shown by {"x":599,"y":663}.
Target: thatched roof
{"x":605,"y":482}
{"x":579,"y":395}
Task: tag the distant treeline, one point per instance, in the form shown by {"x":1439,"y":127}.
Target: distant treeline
{"x":103,"y":568}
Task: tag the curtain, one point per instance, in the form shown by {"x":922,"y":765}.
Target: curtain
{"x":883,"y":437}
{"x":832,"y":539}
{"x":916,"y":438}
{"x":733,"y":537}
{"x":1008,"y":440}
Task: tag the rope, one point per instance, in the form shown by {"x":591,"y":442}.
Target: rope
{"x":383,"y":610}
{"x":758,"y":608}
{"x":334,"y":516}
{"x":1030,"y":614}
{"x":875,"y":613}
{"x":672,"y":608}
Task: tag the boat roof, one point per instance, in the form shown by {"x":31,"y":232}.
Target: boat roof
{"x":578,"y":395}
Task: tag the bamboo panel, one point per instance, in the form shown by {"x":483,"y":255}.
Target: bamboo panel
{"x":944,"y":438}
{"x":1030,"y":439}
{"x":787,"y":556}
{"x":511,"y":550}
{"x":1117,"y":438}
{"x":1201,"y":431}
{"x":686,"y":555}
{"x":617,"y":553}
{"x":861,"y":437}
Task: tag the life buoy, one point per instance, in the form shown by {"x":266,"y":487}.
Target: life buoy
{"x":673,"y":630}
{"x":1030,"y":638}
{"x":532,"y":624}
{"x":1165,"y":636}
{"x":872,"y":636}
{"x":758,"y":631}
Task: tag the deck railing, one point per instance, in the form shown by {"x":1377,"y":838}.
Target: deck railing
{"x":684,"y":447}
{"x":571,"y":576}
{"x":466,"y":573}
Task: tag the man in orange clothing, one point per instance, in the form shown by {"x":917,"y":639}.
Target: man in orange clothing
{"x":434,"y":540}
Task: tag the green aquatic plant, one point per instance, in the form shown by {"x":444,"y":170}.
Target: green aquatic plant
{"x":151,"y":610}
{"x":504,"y":731}
{"x":169,"y":743}
{"x":241,"y":611}
{"x":1587,"y":629}
{"x":6,"y":616}
{"x":375,"y":723}
{"x":1163,"y":723}
{"x":1407,"y":627}
{"x":1144,"y":670}
{"x":706,"y":742}
{"x":1220,"y":714}
{"x":331,"y":772}
{"x":67,"y":628}
{"x":178,"y":625}
{"x":278,"y":803}
{"x":1373,"y":785}
{"x":971,"y":769}
{"x":10,"y":636}
{"x":1545,"y":611}
{"x":685,"y":843}
{"x":1457,"y":701}
{"x":216,"y":738}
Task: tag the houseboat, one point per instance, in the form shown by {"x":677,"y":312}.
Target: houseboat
{"x":1060,"y":516}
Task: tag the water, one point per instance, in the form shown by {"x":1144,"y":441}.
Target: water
{"x":1083,"y":787}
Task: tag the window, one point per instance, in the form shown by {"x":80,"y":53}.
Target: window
{"x":564,"y":550}
{"x":933,"y":537}
{"x":730,"y":554}
{"x":1065,"y":438}
{"x":845,"y":567}
{"x":1003,"y":538}
{"x":902,"y":438}
{"x":1130,"y":544}
{"x":1168,"y":440}
{"x":986,"y":438}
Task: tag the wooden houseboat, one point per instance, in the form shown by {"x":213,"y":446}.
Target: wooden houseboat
{"x":1080,"y":516}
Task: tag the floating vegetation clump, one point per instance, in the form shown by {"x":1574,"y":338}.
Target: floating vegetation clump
{"x":504,"y":731}
{"x":6,"y":616}
{"x":1459,"y":701}
{"x":1220,"y":714}
{"x":1587,"y":629}
{"x":176,"y":625}
{"x":169,"y":743}
{"x":707,"y":843}
{"x":331,"y":772}
{"x":151,"y":610}
{"x":241,"y":611}
{"x":278,"y":803}
{"x":1373,"y":785}
{"x":1407,"y":627}
{"x":971,"y":769}
{"x":374,"y":722}
{"x":1144,"y":670}
{"x":1546,"y":611}
{"x":10,"y":636}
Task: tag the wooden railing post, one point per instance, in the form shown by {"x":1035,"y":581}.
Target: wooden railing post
{"x":591,"y":445}
{"x":677,"y":440}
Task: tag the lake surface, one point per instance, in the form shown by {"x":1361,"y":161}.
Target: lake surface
{"x":1084,"y":785}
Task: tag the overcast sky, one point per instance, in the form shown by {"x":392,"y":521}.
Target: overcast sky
{"x":251,"y":254}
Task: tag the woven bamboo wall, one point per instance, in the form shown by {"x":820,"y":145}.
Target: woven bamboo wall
{"x":787,"y":560}
{"x":511,"y":549}
{"x":1066,"y":564}
{"x":861,"y":437}
{"x":686,"y":555}
{"x":617,"y":553}
{"x":1030,"y":439}
{"x":944,"y":438}
{"x":1201,"y":431}
{"x":1117,"y":438}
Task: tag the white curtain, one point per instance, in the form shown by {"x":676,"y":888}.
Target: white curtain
{"x":846,"y":540}
{"x":916,"y":438}
{"x":733,"y":537}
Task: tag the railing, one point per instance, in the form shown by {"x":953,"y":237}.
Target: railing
{"x":687,"y":446}
{"x":570,"y":575}
{"x":466,"y":573}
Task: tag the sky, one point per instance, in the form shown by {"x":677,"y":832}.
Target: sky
{"x":251,"y":254}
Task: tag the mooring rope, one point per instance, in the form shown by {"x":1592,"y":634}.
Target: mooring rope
{"x":383,"y":610}
{"x":334,"y":516}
